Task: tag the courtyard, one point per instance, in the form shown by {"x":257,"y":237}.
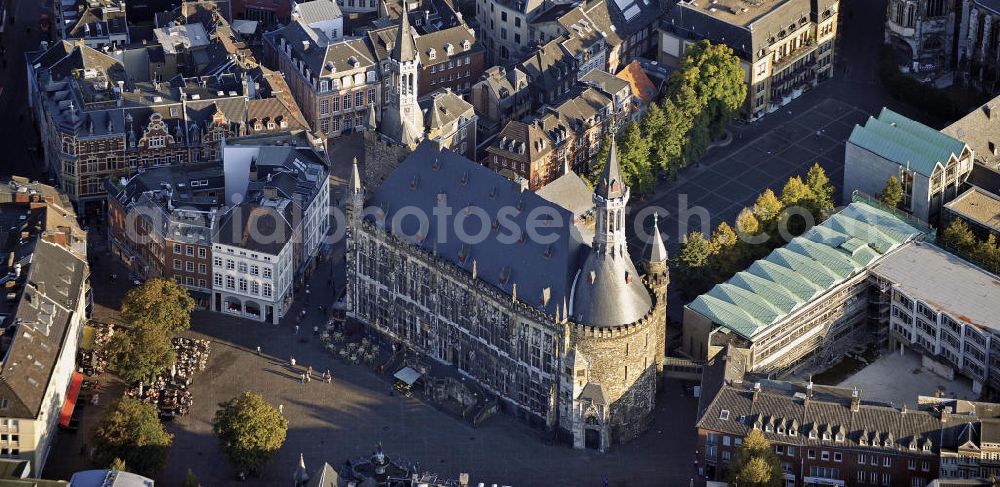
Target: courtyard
{"x":898,"y":378}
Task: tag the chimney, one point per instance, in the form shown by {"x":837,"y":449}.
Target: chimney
{"x":988,"y":111}
{"x":756,"y":390}
{"x":809,"y":388}
{"x":855,"y":400}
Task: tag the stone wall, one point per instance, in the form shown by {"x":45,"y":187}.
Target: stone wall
{"x":382,"y":157}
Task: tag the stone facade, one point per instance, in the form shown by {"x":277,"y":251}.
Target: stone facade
{"x":921,"y":31}
{"x":594,"y":382}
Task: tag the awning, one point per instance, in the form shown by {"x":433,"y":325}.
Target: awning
{"x":407,"y":375}
{"x":71,"y":395}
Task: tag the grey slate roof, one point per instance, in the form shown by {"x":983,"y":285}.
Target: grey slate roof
{"x":428,"y":176}
{"x":784,"y":405}
{"x":52,"y":278}
{"x":980,"y":130}
{"x":608,"y":291}
{"x":242,"y":225}
{"x":318,"y":11}
{"x":569,"y":191}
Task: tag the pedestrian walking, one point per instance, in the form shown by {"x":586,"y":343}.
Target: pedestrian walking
{"x":316,"y":330}
{"x":302,"y":378}
{"x":329,"y":377}
{"x":281,"y":409}
{"x":292,"y":361}
{"x":309,"y":371}
{"x":258,"y":350}
{"x":296,"y":329}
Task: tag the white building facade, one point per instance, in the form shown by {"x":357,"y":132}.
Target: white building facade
{"x":252,"y":284}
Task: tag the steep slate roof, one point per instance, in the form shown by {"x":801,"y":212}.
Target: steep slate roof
{"x":783,"y":405}
{"x":404,"y":49}
{"x":318,"y":11}
{"x":429,"y":176}
{"x":828,"y":254}
{"x":906,"y":142}
{"x":571,"y":192}
{"x":52,"y":277}
{"x":980,"y":130}
{"x":519,"y":141}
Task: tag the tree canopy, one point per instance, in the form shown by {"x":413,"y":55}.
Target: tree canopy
{"x":131,"y":434}
{"x":756,"y":464}
{"x":250,"y":431}
{"x":159,"y":302}
{"x":892,"y":194}
{"x":140,"y":353}
{"x":693,"y":263}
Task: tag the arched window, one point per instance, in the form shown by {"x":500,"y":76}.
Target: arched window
{"x":910,"y":18}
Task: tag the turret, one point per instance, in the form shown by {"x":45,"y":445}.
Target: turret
{"x":355,"y":193}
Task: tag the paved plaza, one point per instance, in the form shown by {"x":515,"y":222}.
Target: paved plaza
{"x":727,"y":181}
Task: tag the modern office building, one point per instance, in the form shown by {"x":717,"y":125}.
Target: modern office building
{"x":931,"y":166}
{"x":943,"y":307}
{"x":803,"y":305}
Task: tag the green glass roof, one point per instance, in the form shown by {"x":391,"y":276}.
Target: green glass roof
{"x":808,"y":266}
{"x":906,"y":142}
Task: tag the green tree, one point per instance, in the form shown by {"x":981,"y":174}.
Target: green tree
{"x":250,"y":430}
{"x":132,"y":433}
{"x":987,"y":253}
{"x":796,"y":194}
{"x":747,"y":223}
{"x":118,"y":464}
{"x":597,"y":164}
{"x":190,"y":480}
{"x":822,"y":192}
{"x":726,"y":253}
{"x":958,"y":237}
{"x":140,"y":353}
{"x":767,"y":207}
{"x":892,"y":194}
{"x":633,"y":154}
{"x":161,"y":303}
{"x":668,"y":147}
{"x":756,"y":464}
{"x":694,"y":264}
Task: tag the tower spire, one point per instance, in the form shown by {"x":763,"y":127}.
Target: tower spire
{"x":657,"y":252}
{"x":405,"y":48}
{"x":610,"y":199}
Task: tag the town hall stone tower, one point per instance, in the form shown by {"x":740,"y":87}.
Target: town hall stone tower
{"x":401,"y":128}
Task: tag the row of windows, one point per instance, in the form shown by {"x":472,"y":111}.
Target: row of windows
{"x":243,"y":267}
{"x":338,"y":103}
{"x":189,"y":266}
{"x":189,"y":281}
{"x":451,"y":64}
{"x":189,"y":250}
{"x":244,"y":286}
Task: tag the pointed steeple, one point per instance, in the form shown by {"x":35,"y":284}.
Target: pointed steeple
{"x":405,"y":48}
{"x":656,"y":252}
{"x":355,"y":182}
{"x":611,"y":184}
{"x":301,"y":476}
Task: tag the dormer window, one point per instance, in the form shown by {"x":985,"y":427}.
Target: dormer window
{"x":450,"y":49}
{"x":826,"y":436}
{"x":466,"y":45}
{"x":724,"y":415}
{"x":812,"y":434}
{"x":769,"y":428}
{"x":431,"y":53}
{"x":839,"y":437}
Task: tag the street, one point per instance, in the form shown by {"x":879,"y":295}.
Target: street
{"x":18,"y":135}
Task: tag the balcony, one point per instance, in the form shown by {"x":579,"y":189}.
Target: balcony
{"x":800,"y":52}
